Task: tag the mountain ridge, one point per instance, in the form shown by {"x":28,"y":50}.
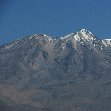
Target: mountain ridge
{"x":84,"y":32}
{"x":40,"y":73}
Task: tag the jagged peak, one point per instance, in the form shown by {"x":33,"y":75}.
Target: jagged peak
{"x":83,"y":29}
{"x":86,"y":32}
{"x":86,"y":35}
{"x":72,"y":34}
{"x":81,"y":35}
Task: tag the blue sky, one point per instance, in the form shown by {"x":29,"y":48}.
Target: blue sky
{"x":20,"y":18}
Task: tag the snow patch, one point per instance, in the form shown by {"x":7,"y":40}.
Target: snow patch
{"x":67,"y":36}
{"x":77,"y":38}
{"x":45,"y":35}
{"x":106,"y":42}
{"x":30,"y":38}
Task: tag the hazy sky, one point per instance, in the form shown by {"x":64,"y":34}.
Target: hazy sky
{"x":19,"y":18}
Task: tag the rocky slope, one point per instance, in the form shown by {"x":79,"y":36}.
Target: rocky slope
{"x":40,"y":73}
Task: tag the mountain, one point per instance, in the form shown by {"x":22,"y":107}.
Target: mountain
{"x":40,"y":73}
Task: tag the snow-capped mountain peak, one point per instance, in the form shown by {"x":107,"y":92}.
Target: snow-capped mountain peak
{"x":52,"y":74}
{"x":81,"y":34}
{"x":84,"y":35}
{"x":87,"y":34}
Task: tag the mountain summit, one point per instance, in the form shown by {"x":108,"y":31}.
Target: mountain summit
{"x":41,"y":73}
